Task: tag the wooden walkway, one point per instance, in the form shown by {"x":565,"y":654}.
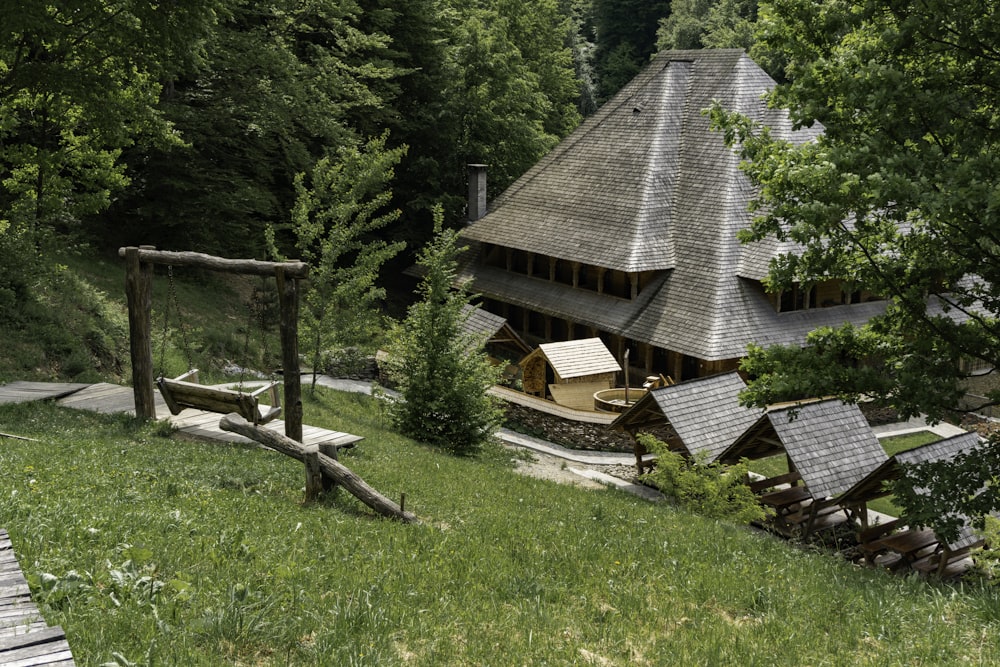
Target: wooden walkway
{"x":116,"y":399}
{"x":25,"y":639}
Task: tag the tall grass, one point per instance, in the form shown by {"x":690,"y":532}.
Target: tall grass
{"x":154,"y":550}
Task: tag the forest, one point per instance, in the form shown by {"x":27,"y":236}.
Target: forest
{"x":198,"y":124}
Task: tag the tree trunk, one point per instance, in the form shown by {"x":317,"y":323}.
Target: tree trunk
{"x":334,"y":469}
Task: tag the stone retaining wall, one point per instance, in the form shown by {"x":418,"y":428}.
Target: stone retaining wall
{"x":565,"y":432}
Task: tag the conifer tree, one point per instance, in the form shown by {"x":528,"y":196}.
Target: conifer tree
{"x":442,"y":372}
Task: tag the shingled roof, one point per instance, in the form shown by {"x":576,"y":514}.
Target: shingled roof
{"x":646,"y":185}
{"x":578,"y":358}
{"x":484,"y":326}
{"x":829,"y":443}
{"x":705,"y":413}
{"x":943,"y":450}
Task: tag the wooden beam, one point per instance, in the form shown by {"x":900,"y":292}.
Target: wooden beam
{"x":292,"y":269}
{"x":340,"y":473}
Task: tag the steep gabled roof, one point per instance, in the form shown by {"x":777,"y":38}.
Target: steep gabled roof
{"x":578,"y":358}
{"x":706,"y":413}
{"x":943,"y":450}
{"x":485,"y":326}
{"x":830,"y":443}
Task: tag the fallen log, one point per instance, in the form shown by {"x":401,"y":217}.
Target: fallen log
{"x":341,"y":474}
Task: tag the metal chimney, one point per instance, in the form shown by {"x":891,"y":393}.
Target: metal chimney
{"x":477,"y":191}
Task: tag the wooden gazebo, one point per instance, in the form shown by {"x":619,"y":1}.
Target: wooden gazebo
{"x":700,"y":417}
{"x":829,"y":446}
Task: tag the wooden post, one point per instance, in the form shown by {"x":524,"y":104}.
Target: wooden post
{"x":329,"y":449}
{"x":356,"y":486}
{"x":288,"y":298}
{"x":139,"y":296}
{"x":314,"y":475}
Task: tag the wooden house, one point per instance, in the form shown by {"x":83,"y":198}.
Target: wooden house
{"x":570,"y":372}
{"x":697,"y":418}
{"x":627,"y":230}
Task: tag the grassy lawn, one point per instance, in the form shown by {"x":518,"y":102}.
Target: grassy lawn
{"x":160,"y":551}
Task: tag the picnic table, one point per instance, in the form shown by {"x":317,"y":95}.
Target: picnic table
{"x":783,"y":500}
{"x":909,"y":544}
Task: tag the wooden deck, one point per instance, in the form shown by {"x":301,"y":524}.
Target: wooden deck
{"x":25,"y":639}
{"x":115,"y":399}
{"x":21,"y":392}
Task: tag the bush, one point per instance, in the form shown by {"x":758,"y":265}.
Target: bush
{"x":713,"y":490}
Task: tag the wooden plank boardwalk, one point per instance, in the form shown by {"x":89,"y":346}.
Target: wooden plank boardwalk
{"x":20,"y":392}
{"x":25,"y":639}
{"x":115,"y":399}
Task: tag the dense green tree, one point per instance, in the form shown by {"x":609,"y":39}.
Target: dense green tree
{"x":625,"y":39}
{"x":443,"y":373}
{"x":899,"y":196}
{"x":517,"y":93}
{"x":79,"y":82}
{"x":711,"y":24}
{"x":281,"y":84}
{"x":339,"y":210}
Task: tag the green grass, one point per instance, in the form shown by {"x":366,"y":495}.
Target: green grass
{"x":72,"y":325}
{"x":165,"y":551}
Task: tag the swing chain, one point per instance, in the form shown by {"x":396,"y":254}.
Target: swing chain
{"x":180,"y":320}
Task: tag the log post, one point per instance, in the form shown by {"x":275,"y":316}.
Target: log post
{"x":234,"y":423}
{"x":314,"y":475}
{"x":288,"y":299}
{"x":330,"y":449}
{"x":139,"y":296}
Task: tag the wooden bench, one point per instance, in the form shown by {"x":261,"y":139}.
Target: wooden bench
{"x":185,"y":392}
{"x":945,"y":563}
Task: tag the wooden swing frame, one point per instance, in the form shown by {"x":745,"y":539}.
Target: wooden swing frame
{"x":184,"y":391}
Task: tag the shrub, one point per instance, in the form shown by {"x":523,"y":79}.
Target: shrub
{"x":713,"y":490}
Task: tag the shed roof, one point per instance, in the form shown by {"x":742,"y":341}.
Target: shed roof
{"x":578,"y":358}
{"x":491,"y":328}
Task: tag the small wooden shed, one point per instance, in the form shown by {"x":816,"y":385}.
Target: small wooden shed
{"x":570,"y":372}
{"x":700,"y":417}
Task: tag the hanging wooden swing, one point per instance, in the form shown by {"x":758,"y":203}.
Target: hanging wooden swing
{"x":185,"y":392}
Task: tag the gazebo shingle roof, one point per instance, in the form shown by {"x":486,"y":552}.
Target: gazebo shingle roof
{"x":706,"y":413}
{"x":830,"y":444}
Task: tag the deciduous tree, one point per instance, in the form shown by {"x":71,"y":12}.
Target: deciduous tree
{"x":899,"y":196}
